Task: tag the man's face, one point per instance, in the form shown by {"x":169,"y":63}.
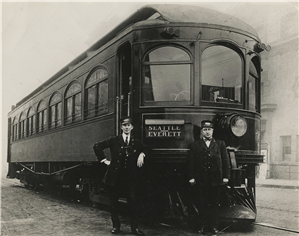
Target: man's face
{"x":127,"y":128}
{"x":207,"y":132}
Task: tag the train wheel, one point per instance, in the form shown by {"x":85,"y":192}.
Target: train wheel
{"x":82,"y":190}
{"x":25,"y":178}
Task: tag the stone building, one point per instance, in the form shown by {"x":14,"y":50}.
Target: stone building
{"x":277,"y":25}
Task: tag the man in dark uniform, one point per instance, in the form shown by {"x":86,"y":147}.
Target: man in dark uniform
{"x":124,"y":171}
{"x":209,"y":168}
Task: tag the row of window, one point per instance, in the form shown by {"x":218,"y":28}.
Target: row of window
{"x":96,"y":103}
{"x":167,"y":76}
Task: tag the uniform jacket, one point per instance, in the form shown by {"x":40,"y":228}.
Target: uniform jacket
{"x":118,"y":151}
{"x":204,"y":160}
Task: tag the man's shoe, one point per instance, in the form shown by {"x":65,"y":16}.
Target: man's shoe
{"x":202,"y":230}
{"x":137,"y":231}
{"x":115,"y":230}
{"x":214,"y":230}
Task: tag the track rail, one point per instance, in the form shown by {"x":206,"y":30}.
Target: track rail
{"x":221,"y":231}
{"x":276,"y":227}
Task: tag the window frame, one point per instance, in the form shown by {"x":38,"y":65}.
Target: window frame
{"x":57,"y":122}
{"x":15,"y":126}
{"x":41,"y":114}
{"x":286,"y":156}
{"x":21,"y":130}
{"x":255,"y":60}
{"x":74,"y":116}
{"x":191,"y":79}
{"x":31,"y":117}
{"x":240,"y":53}
{"x":95,"y":111}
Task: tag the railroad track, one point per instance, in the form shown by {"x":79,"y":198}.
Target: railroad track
{"x":222,"y":229}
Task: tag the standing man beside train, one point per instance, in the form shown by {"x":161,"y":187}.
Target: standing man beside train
{"x":209,"y":168}
{"x":124,"y":171}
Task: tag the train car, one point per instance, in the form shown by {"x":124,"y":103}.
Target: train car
{"x":169,"y":67}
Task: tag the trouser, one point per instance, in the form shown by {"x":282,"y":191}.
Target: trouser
{"x":128,"y":190}
{"x":208,"y":199}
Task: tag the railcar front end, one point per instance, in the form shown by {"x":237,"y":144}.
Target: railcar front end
{"x":191,"y":71}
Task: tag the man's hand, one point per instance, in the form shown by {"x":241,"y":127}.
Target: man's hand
{"x":140,"y":160}
{"x":225,"y":180}
{"x":192,"y":181}
{"x":105,"y":161}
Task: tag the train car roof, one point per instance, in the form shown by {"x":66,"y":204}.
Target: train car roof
{"x":175,"y":13}
{"x":172,"y":13}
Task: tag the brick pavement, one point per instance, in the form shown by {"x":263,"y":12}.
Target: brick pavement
{"x":25,"y":212}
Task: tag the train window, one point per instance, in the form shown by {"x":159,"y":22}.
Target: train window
{"x":22,"y":125}
{"x":96,"y":93}
{"x":221,"y":75}
{"x":41,"y":116}
{"x":55,"y":111}
{"x":253,"y":83}
{"x":15,"y":129}
{"x":166,"y":75}
{"x":73,"y":103}
{"x":30,"y":122}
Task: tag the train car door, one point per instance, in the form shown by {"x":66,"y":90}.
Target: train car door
{"x":125,"y":81}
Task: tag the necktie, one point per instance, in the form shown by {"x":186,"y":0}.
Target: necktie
{"x":207,"y":139}
{"x":127,"y":141}
{"x":127,"y":144}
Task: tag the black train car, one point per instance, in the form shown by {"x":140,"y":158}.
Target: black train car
{"x":169,"y":67}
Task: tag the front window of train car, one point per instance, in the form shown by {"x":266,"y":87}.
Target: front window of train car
{"x":221,"y":75}
{"x":166,"y":77}
{"x":253,"y":84}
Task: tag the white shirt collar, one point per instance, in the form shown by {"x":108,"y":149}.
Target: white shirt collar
{"x":125,"y":135}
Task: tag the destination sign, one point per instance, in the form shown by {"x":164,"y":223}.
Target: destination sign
{"x":165,"y":129}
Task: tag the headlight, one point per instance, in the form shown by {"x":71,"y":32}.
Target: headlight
{"x":238,"y":125}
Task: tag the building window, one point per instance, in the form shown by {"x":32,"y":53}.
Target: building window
{"x":30,"y":122}
{"x":286,"y":148}
{"x":15,"y":129}
{"x":263,"y":129}
{"x":41,"y":116}
{"x":166,"y":76}
{"x":73,"y":103}
{"x":96,"y":93}
{"x":55,"y":111}
{"x":221,"y":75}
{"x":22,"y":125}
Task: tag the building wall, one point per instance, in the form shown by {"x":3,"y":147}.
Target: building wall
{"x":277,"y":25}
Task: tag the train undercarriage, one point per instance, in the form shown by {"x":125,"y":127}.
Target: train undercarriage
{"x":164,"y":193}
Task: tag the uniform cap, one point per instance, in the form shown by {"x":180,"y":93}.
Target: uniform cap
{"x":126,"y":120}
{"x":207,"y":124}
